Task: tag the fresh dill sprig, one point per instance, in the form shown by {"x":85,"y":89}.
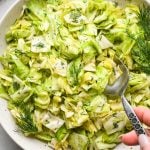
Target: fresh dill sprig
{"x":141,"y":54}
{"x":25,"y":123}
{"x":25,"y":120}
{"x":144,"y":20}
{"x":141,"y":51}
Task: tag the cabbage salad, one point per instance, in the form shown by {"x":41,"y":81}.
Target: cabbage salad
{"x":58,"y":61}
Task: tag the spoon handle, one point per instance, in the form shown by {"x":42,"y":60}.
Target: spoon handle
{"x":132,"y":116}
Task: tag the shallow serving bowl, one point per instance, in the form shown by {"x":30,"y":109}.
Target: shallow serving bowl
{"x":6,"y":119}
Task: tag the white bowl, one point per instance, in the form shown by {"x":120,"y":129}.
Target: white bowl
{"x":6,"y":119}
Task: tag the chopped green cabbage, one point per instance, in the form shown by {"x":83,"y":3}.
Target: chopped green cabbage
{"x":58,"y":61}
{"x":78,"y":141}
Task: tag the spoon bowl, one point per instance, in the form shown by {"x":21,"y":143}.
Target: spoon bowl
{"x":118,"y":88}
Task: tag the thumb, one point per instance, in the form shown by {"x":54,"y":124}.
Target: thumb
{"x":144,"y":142}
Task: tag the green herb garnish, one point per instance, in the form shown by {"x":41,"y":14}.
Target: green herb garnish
{"x":144,"y":21}
{"x":141,"y":51}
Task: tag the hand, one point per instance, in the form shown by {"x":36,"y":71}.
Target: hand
{"x":131,"y":138}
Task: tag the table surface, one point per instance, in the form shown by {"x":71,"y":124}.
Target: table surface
{"x":6,"y":143}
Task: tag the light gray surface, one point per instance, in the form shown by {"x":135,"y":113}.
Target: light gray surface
{"x":5,"y":142}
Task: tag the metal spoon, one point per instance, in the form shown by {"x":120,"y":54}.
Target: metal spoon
{"x":118,"y":88}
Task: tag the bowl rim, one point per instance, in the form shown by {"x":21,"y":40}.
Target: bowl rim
{"x":5,"y":14}
{"x":10,"y":130}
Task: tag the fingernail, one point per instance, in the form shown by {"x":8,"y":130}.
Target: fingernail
{"x":120,"y":137}
{"x":143,"y":140}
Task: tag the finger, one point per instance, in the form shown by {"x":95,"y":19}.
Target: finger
{"x":144,"y":142}
{"x":147,"y":132}
{"x":143,"y":114}
{"x":130,"y":138}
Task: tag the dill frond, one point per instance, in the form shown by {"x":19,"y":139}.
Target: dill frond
{"x":144,"y":21}
{"x":25,"y":121}
{"x":141,"y":51}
